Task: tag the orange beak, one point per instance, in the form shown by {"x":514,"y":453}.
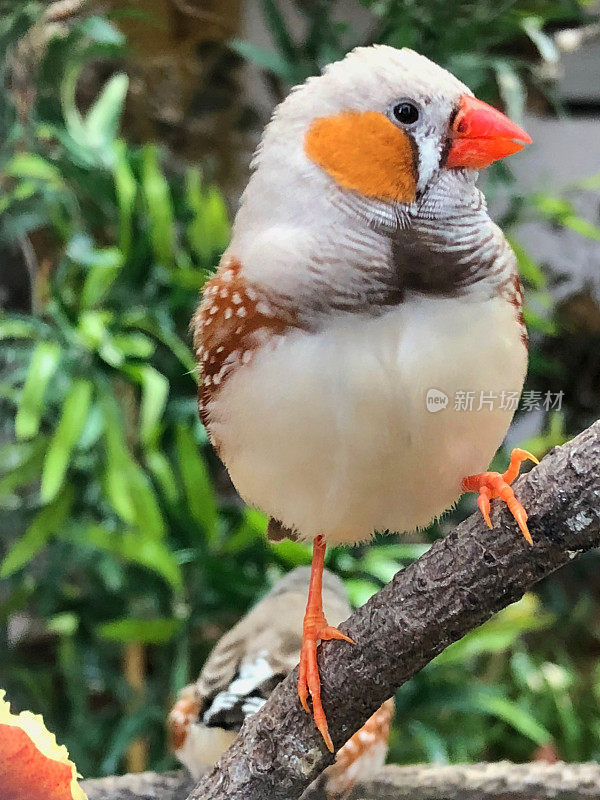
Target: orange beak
{"x":481,"y":134}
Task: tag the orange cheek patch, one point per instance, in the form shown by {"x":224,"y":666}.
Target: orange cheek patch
{"x":365,"y":152}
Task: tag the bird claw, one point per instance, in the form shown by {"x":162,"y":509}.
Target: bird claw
{"x":492,"y":485}
{"x":309,"y":682}
{"x":483,"y":501}
{"x":517,"y":457}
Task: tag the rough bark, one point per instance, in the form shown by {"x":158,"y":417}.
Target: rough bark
{"x":503,"y":781}
{"x":458,"y":584}
{"x":141,"y":786}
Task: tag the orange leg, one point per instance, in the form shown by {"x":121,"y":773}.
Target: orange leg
{"x":491,"y":485}
{"x":315,"y":627}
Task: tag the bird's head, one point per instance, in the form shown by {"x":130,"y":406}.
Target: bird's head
{"x":385,"y":123}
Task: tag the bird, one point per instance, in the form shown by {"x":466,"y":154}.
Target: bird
{"x":243,"y":669}
{"x":362,"y":316}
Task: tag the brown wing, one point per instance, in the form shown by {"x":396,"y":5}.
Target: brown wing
{"x":247,"y":663}
{"x":232,"y":321}
{"x":267,"y":635}
{"x":254,"y":656}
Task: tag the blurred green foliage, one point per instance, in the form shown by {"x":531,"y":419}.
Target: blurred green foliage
{"x":125,"y":539}
{"x":494,"y":47}
{"x":117,"y":526}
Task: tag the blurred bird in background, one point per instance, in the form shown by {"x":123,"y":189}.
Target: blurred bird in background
{"x":364,"y":277}
{"x":243,"y":669}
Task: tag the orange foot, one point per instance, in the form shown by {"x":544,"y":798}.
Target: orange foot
{"x":315,"y":628}
{"x":492,"y":484}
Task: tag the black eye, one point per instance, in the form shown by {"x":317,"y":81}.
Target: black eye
{"x":406,"y":113}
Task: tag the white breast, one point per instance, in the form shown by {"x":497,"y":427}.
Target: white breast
{"x":330,"y":432}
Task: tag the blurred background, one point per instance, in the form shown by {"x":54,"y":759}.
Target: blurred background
{"x":125,"y":135}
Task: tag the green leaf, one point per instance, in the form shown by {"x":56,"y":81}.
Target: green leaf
{"x":72,"y":420}
{"x":31,"y":166}
{"x":278,"y":30}
{"x":14,"y":328}
{"x":382,"y":568}
{"x":252,"y":528}
{"x":82,"y":249}
{"x":294,"y":554}
{"x":76,"y":137}
{"x":554,"y":436}
{"x":117,"y":468}
{"x":92,"y":430}
{"x":147,"y":510}
{"x":208,"y":230}
{"x":27,"y":469}
{"x":161,"y":469}
{"x":102,"y":263}
{"x":126,"y":191}
{"x":44,"y":361}
{"x":582,"y":226}
{"x":197,"y":486}
{"x":159,"y":207}
{"x":48,"y":521}
{"x":162,"y":333}
{"x":155,"y":392}
{"x":100,"y":30}
{"x":535,"y":321}
{"x":127,"y":486}
{"x":265,"y":59}
{"x":143,"y":631}
{"x":65,"y":624}
{"x":551,"y":206}
{"x":516,"y":717}
{"x":101,"y":277}
{"x":433,"y":744}
{"x":92,"y":328}
{"x":104,"y":117}
{"x":499,"y":633}
{"x":589,"y":184}
{"x":529,"y":270}
{"x":181,"y":665}
{"x":512,"y":89}
{"x":132,"y":496}
{"x":133,"y":345}
{"x":561,"y":211}
{"x":359,"y":590}
{"x":134,"y":725}
{"x":16,"y":599}
{"x":533,"y":27}
{"x":133,"y":546}
{"x":402,"y":551}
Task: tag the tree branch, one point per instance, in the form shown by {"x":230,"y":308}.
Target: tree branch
{"x":458,"y":584}
{"x":503,"y":781}
{"x":141,"y":786}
